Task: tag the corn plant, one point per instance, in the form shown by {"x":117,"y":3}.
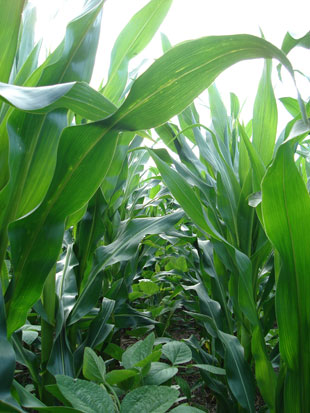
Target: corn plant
{"x":52,"y":167}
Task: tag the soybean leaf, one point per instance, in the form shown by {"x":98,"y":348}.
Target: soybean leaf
{"x":93,"y":366}
{"x":149,"y":399}
{"x":117,"y":376}
{"x":160,"y":373}
{"x":138,"y":352}
{"x":84,"y":395}
{"x":177,"y":352}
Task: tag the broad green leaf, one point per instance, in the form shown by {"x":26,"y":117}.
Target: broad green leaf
{"x":10,"y":18}
{"x":265,"y":116}
{"x":138,"y":352}
{"x":239,"y":375}
{"x":286,"y":213}
{"x":93,"y":366}
{"x":181,"y":74}
{"x":149,"y":399}
{"x":160,"y":373}
{"x":177,"y":352}
{"x":131,"y":41}
{"x":117,"y":376}
{"x":84,"y":395}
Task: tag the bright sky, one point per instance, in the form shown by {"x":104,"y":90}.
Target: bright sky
{"x":190,"y":19}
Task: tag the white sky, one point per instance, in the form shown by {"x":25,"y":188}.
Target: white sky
{"x":190,"y":19}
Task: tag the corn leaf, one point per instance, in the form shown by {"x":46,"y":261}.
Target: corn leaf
{"x":123,"y":248}
{"x":286,"y":213}
{"x":38,"y":136}
{"x":131,"y":41}
{"x":238,"y":372}
{"x":174,"y":80}
{"x":265,"y":116}
{"x":10,"y":18}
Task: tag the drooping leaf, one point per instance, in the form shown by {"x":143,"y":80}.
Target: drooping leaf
{"x":175,"y":79}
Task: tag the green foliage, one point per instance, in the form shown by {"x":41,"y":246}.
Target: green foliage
{"x":95,"y":244}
